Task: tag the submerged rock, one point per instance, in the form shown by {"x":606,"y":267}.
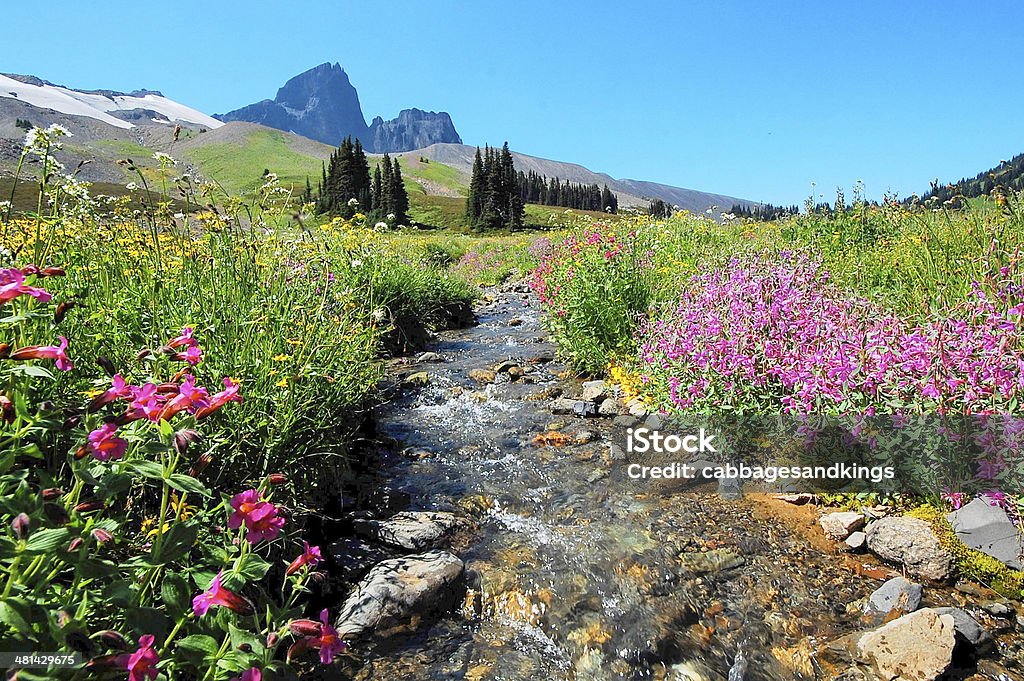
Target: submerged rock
{"x":915,"y":647}
{"x":911,"y":543}
{"x":412,"y":530}
{"x":397,"y":589}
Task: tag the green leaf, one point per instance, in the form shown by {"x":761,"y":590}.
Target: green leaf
{"x":232,"y":661}
{"x":32,"y":370}
{"x":175,"y":593}
{"x":17,"y":614}
{"x":252,"y":567}
{"x":200,"y":643}
{"x":186,"y":483}
{"x":166,"y":429}
{"x":147,"y":469}
{"x":242,"y":636}
{"x":176,"y":543}
{"x":43,"y":541}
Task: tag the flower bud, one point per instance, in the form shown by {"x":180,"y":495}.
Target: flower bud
{"x":305,"y":627}
{"x":183,"y":438}
{"x":56,"y":514}
{"x":7,"y":414}
{"x":75,"y":544}
{"x":71,"y":422}
{"x":101,"y":535}
{"x":51,"y":493}
{"x":201,"y":463}
{"x":52,"y":272}
{"x":245,"y":647}
{"x":277,"y":478}
{"x":29,"y":270}
{"x":112,"y":639}
{"x":5,"y":350}
{"x":103,"y":663}
{"x":89,"y":506}
{"x":273,"y":639}
{"x":21,"y":525}
{"x":106,"y":365}
{"x":144,"y":353}
{"x":63,"y":617}
{"x":62,"y":310}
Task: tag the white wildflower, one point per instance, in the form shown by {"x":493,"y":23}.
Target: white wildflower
{"x":380,"y":227}
{"x":165,"y":160}
{"x":353,"y":202}
{"x":131,"y":186}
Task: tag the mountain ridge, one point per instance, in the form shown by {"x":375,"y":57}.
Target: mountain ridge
{"x":322,"y":104}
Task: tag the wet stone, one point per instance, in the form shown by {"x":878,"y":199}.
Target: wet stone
{"x":911,"y":543}
{"x":838,"y":526}
{"x":968,"y":630}
{"x":898,"y":594}
{"x":429,"y":357}
{"x":915,"y":647}
{"x":411,"y":530}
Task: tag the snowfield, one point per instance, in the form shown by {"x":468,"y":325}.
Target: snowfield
{"x":76,"y":103}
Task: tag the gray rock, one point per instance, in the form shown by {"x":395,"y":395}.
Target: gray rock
{"x":715,"y":560}
{"x":915,"y":647}
{"x":838,"y":526}
{"x":563,"y":405}
{"x":637,"y":408}
{"x":615,"y":453}
{"x":653,"y":422}
{"x":989,"y":529}
{"x":594,"y":391}
{"x":612,"y":406}
{"x":396,"y":589}
{"x":624,"y":421}
{"x":968,"y":629}
{"x":429,"y":357}
{"x":857,"y":541}
{"x":581,"y":408}
{"x":412,"y":530}
{"x":897,"y":594}
{"x":1000,"y":610}
{"x":911,"y":543}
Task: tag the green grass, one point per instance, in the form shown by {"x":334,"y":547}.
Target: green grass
{"x":436,"y":173}
{"x":239,"y":167}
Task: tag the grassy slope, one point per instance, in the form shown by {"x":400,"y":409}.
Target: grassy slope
{"x":239,"y":167}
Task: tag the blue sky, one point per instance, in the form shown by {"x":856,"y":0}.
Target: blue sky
{"x":753,"y":99}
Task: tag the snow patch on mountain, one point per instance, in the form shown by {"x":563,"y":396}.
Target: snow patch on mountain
{"x":97,"y":106}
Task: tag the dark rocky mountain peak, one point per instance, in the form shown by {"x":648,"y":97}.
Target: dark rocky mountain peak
{"x":322,"y":104}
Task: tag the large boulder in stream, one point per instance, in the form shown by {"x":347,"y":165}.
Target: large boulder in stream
{"x":910,"y":542}
{"x":396,"y":590}
{"x":987,"y":528}
{"x":915,"y":647}
{"x":411,"y":530}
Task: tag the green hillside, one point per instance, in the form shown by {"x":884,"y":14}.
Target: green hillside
{"x":238,"y":166}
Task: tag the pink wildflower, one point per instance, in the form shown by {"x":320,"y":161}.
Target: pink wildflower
{"x":54,"y":352}
{"x":218,"y":595}
{"x":104,"y":446}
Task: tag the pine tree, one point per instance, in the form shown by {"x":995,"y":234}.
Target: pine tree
{"x":477,"y":184}
{"x":378,"y":195}
{"x":399,"y":198}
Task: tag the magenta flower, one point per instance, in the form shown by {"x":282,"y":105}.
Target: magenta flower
{"x":141,"y":664}
{"x":193,"y":355}
{"x":989,"y":469}
{"x":954,"y":499}
{"x":119,"y":390}
{"x":318,"y":635}
{"x":12,"y":285}
{"x":147,"y":403}
{"x":310,"y":556}
{"x":184,"y":339}
{"x":218,"y":400}
{"x":997,"y":498}
{"x":104,"y":446}
{"x":252,"y":674}
{"x":218,"y":595}
{"x":54,"y":352}
{"x":260,"y":517}
{"x":190,"y":398}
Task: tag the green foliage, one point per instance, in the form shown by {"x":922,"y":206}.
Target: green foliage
{"x":494,"y":200}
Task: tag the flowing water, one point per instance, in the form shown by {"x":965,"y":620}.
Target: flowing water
{"x":574,"y":574}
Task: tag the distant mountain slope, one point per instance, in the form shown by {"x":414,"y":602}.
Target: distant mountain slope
{"x":1008,"y":174}
{"x":322,"y":104}
{"x":113,"y":108}
{"x":631,"y":193}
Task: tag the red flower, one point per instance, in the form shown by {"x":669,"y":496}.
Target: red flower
{"x":218,"y":595}
{"x":118,"y":390}
{"x":310,"y":556}
{"x":252,"y":674}
{"x":55,"y":352}
{"x":193,"y":355}
{"x":189,"y":398}
{"x":141,"y":664}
